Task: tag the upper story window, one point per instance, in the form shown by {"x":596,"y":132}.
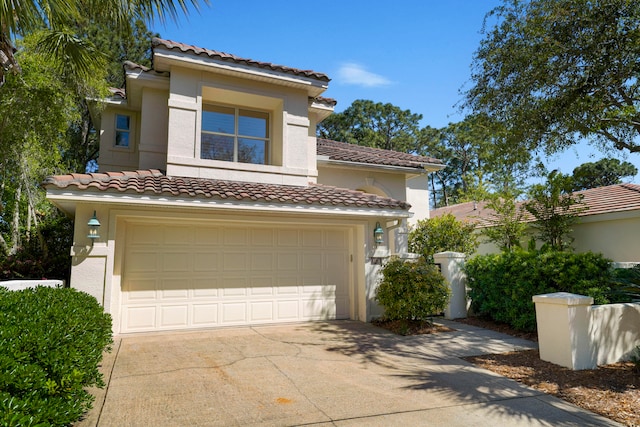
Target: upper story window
{"x":123,"y":130}
{"x":234,"y":135}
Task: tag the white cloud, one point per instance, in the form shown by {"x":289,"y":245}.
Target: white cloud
{"x":355,"y":74}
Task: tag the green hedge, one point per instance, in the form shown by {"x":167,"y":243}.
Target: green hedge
{"x":502,"y":285}
{"x":51,"y":342}
{"x":411,"y":290}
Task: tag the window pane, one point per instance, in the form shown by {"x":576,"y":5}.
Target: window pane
{"x":253,"y":123}
{"x":252,"y":151}
{"x":122,"y":122}
{"x":216,"y":147}
{"x":218,"y":119}
{"x":122,"y":138}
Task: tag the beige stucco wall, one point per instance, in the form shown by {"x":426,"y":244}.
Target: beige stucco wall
{"x":616,"y":236}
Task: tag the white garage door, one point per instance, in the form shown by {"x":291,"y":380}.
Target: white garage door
{"x":192,"y":276}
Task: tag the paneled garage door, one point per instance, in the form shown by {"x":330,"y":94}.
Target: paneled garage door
{"x":192,"y":276}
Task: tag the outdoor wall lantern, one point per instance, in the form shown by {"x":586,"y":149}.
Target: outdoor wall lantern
{"x":378,"y":234}
{"x":93,"y":224}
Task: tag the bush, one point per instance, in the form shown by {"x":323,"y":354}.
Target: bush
{"x":45,"y":255}
{"x":502,"y":285}
{"x":625,"y":285}
{"x":442,"y":233}
{"x":411,"y":290}
{"x":51,"y":342}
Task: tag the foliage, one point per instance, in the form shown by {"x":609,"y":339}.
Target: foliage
{"x":601,"y":173}
{"x":45,"y":255}
{"x":625,"y":285}
{"x":51,"y":342}
{"x":557,"y":71}
{"x":502,"y":285}
{"x":373,"y":124}
{"x":54,"y":21}
{"x":556,"y":209}
{"x":475,"y":159}
{"x":506,"y":226}
{"x":37,"y":107}
{"x":440,"y":234}
{"x":411,"y":290}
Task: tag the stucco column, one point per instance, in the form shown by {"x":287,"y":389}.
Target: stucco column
{"x":563,"y":330}
{"x":451,"y":264}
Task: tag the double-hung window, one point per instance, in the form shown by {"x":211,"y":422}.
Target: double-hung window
{"x":234,"y":134}
{"x":123,"y":130}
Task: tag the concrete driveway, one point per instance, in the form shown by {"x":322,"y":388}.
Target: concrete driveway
{"x":340,"y":373}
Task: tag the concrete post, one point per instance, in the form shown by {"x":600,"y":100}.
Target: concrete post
{"x":563,"y":330}
{"x":451,"y":264}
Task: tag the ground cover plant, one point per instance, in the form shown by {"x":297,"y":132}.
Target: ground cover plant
{"x":51,"y":342}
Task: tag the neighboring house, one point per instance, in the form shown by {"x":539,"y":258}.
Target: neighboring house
{"x":610,"y":225}
{"x":217,"y":205}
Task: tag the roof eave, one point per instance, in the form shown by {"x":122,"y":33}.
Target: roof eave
{"x":163,"y":60}
{"x":66,"y":200}
{"x":423,"y":168}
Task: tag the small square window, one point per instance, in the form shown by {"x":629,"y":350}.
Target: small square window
{"x":123,"y":130}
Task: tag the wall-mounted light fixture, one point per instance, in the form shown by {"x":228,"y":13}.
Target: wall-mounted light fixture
{"x":93,"y":224}
{"x":378,"y":234}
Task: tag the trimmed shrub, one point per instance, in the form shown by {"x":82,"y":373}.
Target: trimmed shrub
{"x":625,"y":285}
{"x":442,"y":233}
{"x":502,"y":285}
{"x":411,"y":290}
{"x":51,"y":342}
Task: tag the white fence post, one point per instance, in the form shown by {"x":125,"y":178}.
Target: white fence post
{"x":563,"y":330}
{"x":451,"y":264}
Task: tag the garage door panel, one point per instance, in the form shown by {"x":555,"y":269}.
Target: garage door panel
{"x":205,"y":314}
{"x":261,"y":237}
{"x":172,"y":316}
{"x":235,"y":236}
{"x":263,"y":261}
{"x":207,"y":276}
{"x":176,"y":262}
{"x":172,"y":289}
{"x":206,"y":261}
{"x":235,"y":261}
{"x":260,"y":311}
{"x":177,"y":235}
{"x":312,"y":238}
{"x":204,"y":287}
{"x":140,"y":318}
{"x":142,"y":261}
{"x":287,"y":238}
{"x":207,"y":236}
{"x":139,"y":289}
{"x":234,"y":312}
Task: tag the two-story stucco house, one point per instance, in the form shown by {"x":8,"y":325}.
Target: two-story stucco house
{"x":217,"y":205}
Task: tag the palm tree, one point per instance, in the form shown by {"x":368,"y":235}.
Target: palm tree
{"x":53,"y":21}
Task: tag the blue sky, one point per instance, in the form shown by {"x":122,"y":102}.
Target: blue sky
{"x":415,"y":55}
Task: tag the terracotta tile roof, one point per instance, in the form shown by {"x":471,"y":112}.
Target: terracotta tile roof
{"x":323,"y":100}
{"x":154,"y":182}
{"x":221,"y":56}
{"x":601,"y":200}
{"x":359,"y":154}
